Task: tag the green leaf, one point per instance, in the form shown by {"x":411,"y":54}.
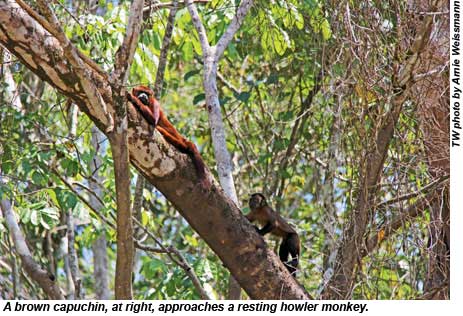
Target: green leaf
{"x":25,"y":215}
{"x":26,"y":166}
{"x":224,"y":100}
{"x":35,"y":217}
{"x":144,"y":218}
{"x":280,"y":42}
{"x":197,"y":46}
{"x":199,"y":98}
{"x":192,"y":241}
{"x":190,"y":74}
{"x":298,"y":19}
{"x":66,"y":199}
{"x":244,"y":96}
{"x":273,"y":78}
{"x":37,"y":178}
{"x":44,"y":223}
{"x":187,"y":50}
{"x":7,"y":166}
{"x":326,"y":29}
{"x":38,"y":205}
{"x":156,"y":41}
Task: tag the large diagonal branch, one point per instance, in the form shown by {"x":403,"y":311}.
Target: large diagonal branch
{"x":71,"y":53}
{"x":214,"y":216}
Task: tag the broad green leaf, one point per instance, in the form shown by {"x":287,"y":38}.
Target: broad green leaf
{"x":199,"y":98}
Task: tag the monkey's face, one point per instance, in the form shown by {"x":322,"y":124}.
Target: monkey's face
{"x":143,"y":97}
{"x":257,"y":200}
{"x":144,"y":94}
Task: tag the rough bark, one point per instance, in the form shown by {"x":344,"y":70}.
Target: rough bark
{"x":125,"y":249}
{"x":120,"y":151}
{"x":212,"y":214}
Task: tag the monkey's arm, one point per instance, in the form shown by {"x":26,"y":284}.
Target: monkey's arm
{"x":270,"y":226}
{"x":150,"y":114}
{"x":250,"y":217}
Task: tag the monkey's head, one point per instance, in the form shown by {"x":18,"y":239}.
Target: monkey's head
{"x":257,"y":200}
{"x":144,"y":94}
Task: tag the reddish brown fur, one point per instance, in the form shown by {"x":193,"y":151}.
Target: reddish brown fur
{"x":154,"y":115}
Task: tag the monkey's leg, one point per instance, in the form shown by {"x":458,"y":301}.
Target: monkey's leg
{"x":186,"y":147}
{"x":294,"y":250}
{"x":284,"y":254}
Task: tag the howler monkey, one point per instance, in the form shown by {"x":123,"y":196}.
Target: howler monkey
{"x":276,"y":225}
{"x":144,"y":101}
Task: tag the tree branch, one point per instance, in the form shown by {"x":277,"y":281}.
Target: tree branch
{"x":164,"y":50}
{"x":298,"y":125}
{"x":44,"y":23}
{"x":411,"y":195}
{"x":125,"y":53}
{"x":119,"y":148}
{"x":391,"y":227}
{"x":199,"y":26}
{"x":234,"y":25}
{"x":80,"y":69}
{"x":161,"y":5}
{"x":181,"y":262}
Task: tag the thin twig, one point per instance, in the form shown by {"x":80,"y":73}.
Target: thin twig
{"x":164,"y":50}
{"x":70,"y":187}
{"x":181,"y":261}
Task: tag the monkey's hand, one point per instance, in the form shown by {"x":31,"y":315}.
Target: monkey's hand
{"x":150,"y":111}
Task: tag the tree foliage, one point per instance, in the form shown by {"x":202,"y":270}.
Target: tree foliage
{"x":305,"y":88}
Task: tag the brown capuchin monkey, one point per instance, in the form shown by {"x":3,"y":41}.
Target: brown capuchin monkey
{"x":275,"y":224}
